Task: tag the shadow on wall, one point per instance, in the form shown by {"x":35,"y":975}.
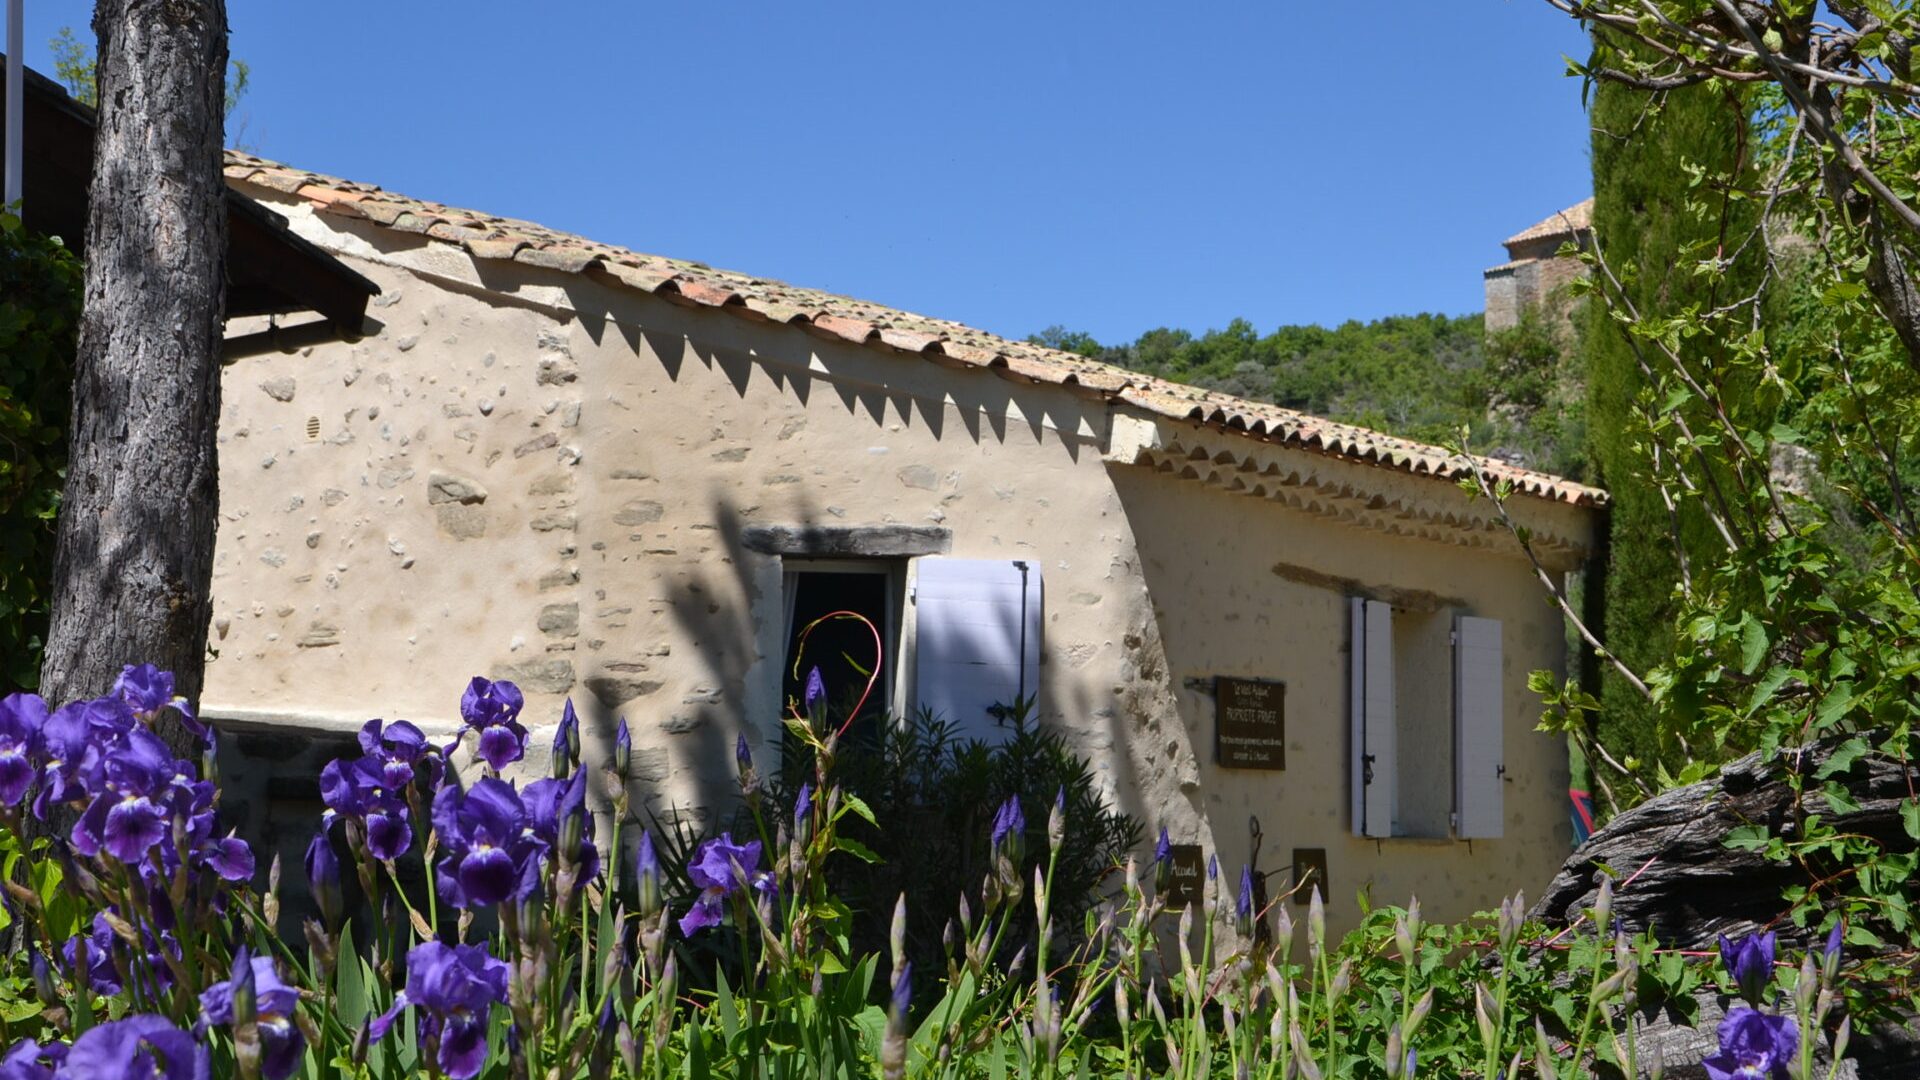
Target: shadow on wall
{"x":711,"y":609}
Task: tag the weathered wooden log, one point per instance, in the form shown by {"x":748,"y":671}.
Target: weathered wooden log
{"x":1675,"y":874}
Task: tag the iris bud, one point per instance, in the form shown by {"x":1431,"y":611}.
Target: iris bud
{"x":629,"y":1050}
{"x":43,"y":979}
{"x":323,"y":878}
{"x":1057,"y":821}
{"x":1162,"y":862}
{"x":1316,"y":922}
{"x":1419,"y":1013}
{"x":622,"y":751}
{"x":1603,"y":905}
{"x":647,"y":868}
{"x":897,"y":935}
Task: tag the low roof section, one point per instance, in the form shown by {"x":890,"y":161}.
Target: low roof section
{"x":490,"y":237}
{"x":270,"y":271}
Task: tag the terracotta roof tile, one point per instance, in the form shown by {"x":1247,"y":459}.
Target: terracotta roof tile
{"x":490,"y":237}
{"x":1573,"y":219}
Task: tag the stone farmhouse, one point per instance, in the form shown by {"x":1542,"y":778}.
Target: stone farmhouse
{"x":1535,"y":270}
{"x":628,"y":479}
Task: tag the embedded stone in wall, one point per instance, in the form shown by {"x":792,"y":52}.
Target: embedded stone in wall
{"x":919,"y":476}
{"x":279,"y":388}
{"x":614,"y":691}
{"x":448,"y":488}
{"x":462,"y":522}
{"x":553,"y":522}
{"x":535,"y":445}
{"x":737,"y":453}
{"x":319,"y":635}
{"x":393,"y":476}
{"x":551,"y":484}
{"x":556,"y":371}
{"x":639,"y":512}
{"x":539,"y":676}
{"x":560,"y":620}
{"x":650,"y":765}
{"x":562,"y":578}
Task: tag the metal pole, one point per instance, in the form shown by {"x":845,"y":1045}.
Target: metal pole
{"x":16,"y":99}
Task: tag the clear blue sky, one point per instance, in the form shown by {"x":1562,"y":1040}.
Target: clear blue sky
{"x":1108,"y":166}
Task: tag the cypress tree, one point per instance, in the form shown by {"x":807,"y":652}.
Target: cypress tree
{"x":1653,"y":225}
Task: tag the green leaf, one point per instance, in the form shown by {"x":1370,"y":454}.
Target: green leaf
{"x":1769,"y":684}
{"x":1753,"y":645}
{"x":1843,"y":758}
{"x":856,"y":849}
{"x":1910,"y":817}
{"x":859,"y":806}
{"x":1747,"y":837}
{"x":1835,"y":705}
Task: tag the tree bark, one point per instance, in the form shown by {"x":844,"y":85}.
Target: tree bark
{"x":134,"y":560}
{"x":1678,"y":877}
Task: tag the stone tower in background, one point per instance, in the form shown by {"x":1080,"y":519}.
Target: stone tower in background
{"x":1534,"y":271}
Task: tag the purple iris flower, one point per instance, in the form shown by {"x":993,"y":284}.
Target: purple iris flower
{"x":743,"y":754}
{"x":71,"y":742}
{"x":131,"y":780}
{"x":1009,"y":821}
{"x":103,"y":977}
{"x":21,"y":718}
{"x":139,"y":1046}
{"x":492,"y":850}
{"x":281,"y":1041}
{"x":360,"y":790}
{"x":147,"y":690}
{"x":493,"y":710}
{"x":1754,"y":1046}
{"x":712,"y":872}
{"x":28,"y":1060}
{"x":1833,"y":941}
{"x":1750,"y":962}
{"x":399,"y":747}
{"x":1163,"y":848}
{"x":557,"y":814}
{"x":231,"y":858}
{"x":455,"y":989}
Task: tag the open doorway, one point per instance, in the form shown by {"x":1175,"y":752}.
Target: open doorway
{"x":843,"y":649}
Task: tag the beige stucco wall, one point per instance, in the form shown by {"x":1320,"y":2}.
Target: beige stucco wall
{"x":622,"y":442}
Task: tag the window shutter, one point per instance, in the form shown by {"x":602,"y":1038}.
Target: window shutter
{"x":976,"y":639}
{"x":1478,"y":730}
{"x":1371,"y":697}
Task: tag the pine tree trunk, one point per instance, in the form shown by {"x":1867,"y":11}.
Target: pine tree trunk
{"x":135,"y":549}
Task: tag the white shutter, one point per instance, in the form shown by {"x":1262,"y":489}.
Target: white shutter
{"x":1371,"y":698}
{"x":1478,"y":731}
{"x":976,"y":639}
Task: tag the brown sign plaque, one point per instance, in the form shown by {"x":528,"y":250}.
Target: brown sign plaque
{"x":1309,"y":873}
{"x":1250,"y":730}
{"x":1186,"y":881}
